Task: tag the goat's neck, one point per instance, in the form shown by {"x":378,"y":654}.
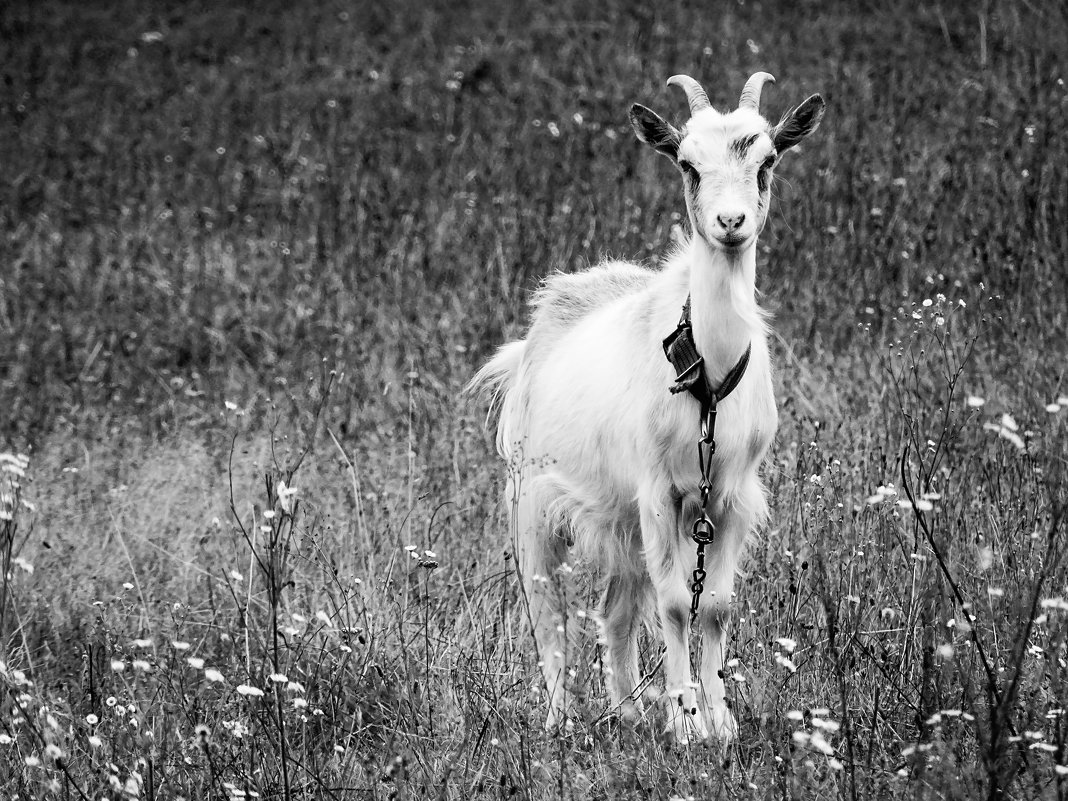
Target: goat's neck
{"x":723,"y":306}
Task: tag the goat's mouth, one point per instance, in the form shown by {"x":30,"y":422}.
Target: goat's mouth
{"x":732,"y":242}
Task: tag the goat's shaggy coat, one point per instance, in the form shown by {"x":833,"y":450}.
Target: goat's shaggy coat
{"x":602,"y":457}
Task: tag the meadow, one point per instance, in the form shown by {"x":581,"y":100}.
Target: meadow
{"x":252,"y":537}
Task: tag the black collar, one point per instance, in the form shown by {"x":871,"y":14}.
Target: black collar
{"x":689,"y":366}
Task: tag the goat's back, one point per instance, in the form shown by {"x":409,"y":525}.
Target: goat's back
{"x":564,"y":299}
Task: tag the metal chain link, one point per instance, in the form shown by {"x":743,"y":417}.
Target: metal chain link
{"x":704,"y":530}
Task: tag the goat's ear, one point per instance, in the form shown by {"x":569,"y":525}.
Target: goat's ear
{"x":798,"y":124}
{"x":654,"y":130}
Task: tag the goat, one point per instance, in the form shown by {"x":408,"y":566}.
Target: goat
{"x":602,"y":457}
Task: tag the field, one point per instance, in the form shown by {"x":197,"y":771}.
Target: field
{"x":249,"y":258}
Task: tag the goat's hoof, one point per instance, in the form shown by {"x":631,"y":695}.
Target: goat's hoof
{"x":723,"y":726}
{"x":631,"y":713}
{"x":687,"y":726}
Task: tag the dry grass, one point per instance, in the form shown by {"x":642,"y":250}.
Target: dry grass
{"x":226,"y":246}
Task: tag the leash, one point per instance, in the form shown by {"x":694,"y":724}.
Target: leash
{"x":690,"y":376}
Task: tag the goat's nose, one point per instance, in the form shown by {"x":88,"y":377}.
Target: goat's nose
{"x":731,"y":221}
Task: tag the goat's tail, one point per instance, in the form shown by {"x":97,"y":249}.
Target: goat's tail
{"x":498,"y":379}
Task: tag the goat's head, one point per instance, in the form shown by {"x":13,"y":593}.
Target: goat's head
{"x":726,"y":160}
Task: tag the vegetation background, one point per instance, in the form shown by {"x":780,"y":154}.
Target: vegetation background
{"x":247,"y":249}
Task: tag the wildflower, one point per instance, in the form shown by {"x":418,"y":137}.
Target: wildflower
{"x":236,"y":728}
{"x":296,"y":687}
{"x":195,"y":662}
{"x":249,"y":690}
{"x":786,"y":662}
{"x":202,"y":733}
{"x":141,"y":664}
{"x":32,"y":761}
{"x":144,"y":643}
{"x":95,"y":741}
{"x":179,"y":645}
{"x":53,"y":751}
{"x":132,"y":787}
{"x":881,"y":494}
{"x":211,"y":674}
{"x":1053,"y":408}
{"x":118,"y":665}
{"x":299,"y":703}
{"x":285,"y":497}
{"x":1005,"y":431}
{"x":278,"y":678}
{"x":92,"y":719}
{"x":819,"y":742}
{"x":975,"y":401}
{"x":110,"y":701}
{"x":787,"y":644}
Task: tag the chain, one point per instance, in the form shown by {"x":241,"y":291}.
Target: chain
{"x":704,"y":530}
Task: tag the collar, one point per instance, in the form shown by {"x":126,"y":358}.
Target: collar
{"x":681,"y":351}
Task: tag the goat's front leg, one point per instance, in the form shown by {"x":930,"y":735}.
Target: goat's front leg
{"x":721,"y":563}
{"x":668,"y":559}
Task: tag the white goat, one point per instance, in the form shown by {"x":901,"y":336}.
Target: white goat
{"x":603,"y":457}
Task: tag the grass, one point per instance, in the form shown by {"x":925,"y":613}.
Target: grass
{"x":248,"y":247}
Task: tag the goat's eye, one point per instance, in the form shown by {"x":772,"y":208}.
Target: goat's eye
{"x":688,"y":169}
{"x":762,"y":173}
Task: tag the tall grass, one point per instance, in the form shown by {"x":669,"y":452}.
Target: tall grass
{"x":248,"y":258}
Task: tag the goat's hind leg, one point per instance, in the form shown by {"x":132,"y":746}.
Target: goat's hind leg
{"x":540,"y":550}
{"x":624,"y":602}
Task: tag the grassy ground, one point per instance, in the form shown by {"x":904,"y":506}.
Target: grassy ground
{"x":248,"y":249}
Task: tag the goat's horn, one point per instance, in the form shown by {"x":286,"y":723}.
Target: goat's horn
{"x":751,"y":93}
{"x":694,"y":93}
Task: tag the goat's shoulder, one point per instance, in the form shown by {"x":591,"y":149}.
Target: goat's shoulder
{"x":565,"y":298}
